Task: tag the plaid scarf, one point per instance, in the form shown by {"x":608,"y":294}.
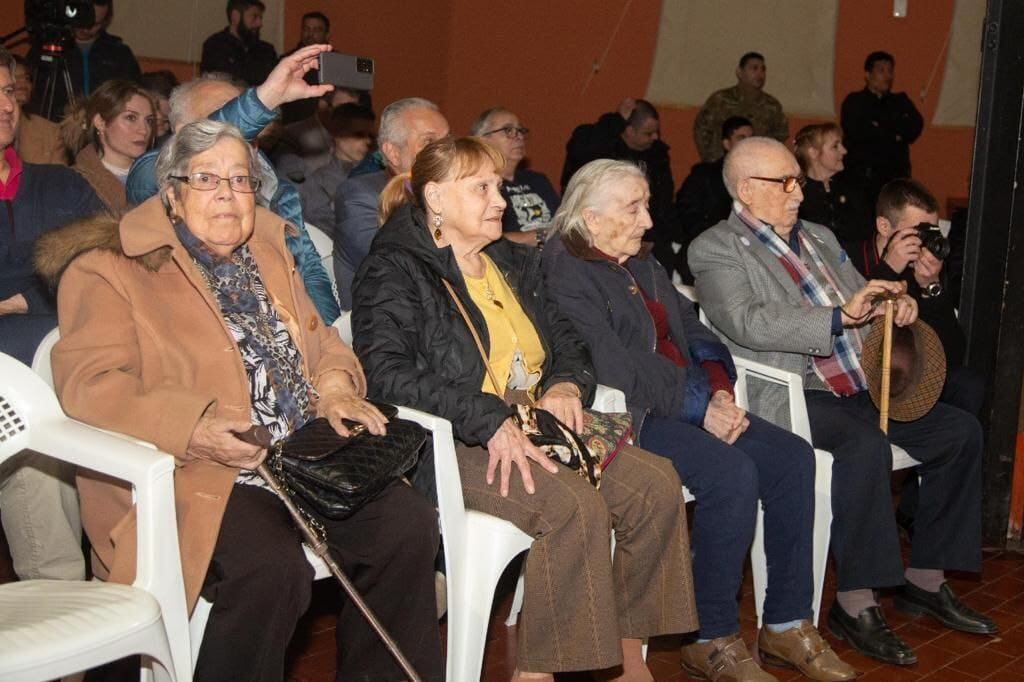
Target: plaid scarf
{"x":841,"y":371}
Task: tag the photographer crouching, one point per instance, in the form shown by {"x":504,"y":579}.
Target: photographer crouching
{"x":909,"y":246}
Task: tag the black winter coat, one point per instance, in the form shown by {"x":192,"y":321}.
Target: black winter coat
{"x":602,"y":300}
{"x":701,"y":203}
{"x":416,"y":349}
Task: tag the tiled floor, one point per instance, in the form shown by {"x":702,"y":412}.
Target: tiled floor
{"x":942,"y":655}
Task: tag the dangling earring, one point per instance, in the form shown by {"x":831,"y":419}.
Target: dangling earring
{"x":437,"y":227}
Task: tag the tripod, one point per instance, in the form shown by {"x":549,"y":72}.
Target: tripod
{"x":53,"y":77}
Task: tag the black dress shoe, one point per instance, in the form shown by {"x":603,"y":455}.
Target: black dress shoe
{"x":870,"y":635}
{"x":944,"y":607}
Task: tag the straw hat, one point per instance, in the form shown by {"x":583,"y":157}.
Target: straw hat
{"x":917,"y":371}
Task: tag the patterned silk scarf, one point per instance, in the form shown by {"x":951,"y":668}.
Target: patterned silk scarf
{"x":841,"y":371}
{"x":280,"y":393}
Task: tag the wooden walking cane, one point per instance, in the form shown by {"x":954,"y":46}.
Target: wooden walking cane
{"x":260,"y":436}
{"x":883,"y":397}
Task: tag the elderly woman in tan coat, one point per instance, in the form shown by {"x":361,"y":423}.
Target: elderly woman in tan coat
{"x":185,"y":325}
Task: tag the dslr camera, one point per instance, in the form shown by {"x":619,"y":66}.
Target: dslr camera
{"x":932,"y":239}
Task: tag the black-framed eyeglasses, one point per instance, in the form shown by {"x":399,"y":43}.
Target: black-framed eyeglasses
{"x":207,"y":182}
{"x":789,"y":182}
{"x":510,"y":131}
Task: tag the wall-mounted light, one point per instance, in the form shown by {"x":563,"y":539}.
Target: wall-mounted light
{"x":899,"y":9}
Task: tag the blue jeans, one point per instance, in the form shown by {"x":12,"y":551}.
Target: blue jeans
{"x":765,"y":462}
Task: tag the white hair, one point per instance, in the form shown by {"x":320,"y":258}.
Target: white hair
{"x":588,"y":189}
{"x":180,"y":100}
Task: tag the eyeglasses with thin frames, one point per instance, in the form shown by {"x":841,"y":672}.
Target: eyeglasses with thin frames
{"x":789,"y":182}
{"x":207,"y":182}
{"x":510,"y":131}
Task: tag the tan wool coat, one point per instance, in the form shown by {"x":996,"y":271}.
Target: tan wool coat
{"x":144,"y":351}
{"x":39,"y":141}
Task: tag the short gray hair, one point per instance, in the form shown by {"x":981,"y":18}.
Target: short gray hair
{"x":195,"y":138}
{"x":390,"y":128}
{"x":587,"y":189}
{"x":741,"y":161}
{"x":481,"y":124}
{"x":181,"y":96}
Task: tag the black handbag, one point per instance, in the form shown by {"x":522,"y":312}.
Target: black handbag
{"x":333,"y":475}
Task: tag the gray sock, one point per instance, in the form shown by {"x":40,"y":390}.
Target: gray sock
{"x":928,"y":579}
{"x":855,"y":601}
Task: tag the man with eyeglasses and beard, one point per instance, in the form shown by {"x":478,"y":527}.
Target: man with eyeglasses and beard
{"x":238,"y":50}
{"x":784,"y":293}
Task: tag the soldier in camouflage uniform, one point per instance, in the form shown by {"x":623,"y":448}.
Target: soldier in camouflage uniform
{"x":747,"y":99}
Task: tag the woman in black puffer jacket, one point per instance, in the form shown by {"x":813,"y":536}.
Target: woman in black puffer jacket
{"x":444,"y":224}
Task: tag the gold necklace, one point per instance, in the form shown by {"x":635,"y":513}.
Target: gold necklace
{"x":489,"y":293}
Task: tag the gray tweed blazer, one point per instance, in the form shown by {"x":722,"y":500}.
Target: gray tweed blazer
{"x":758,"y":310}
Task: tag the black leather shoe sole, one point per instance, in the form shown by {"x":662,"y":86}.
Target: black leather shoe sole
{"x":842,"y":631}
{"x":908,"y":604}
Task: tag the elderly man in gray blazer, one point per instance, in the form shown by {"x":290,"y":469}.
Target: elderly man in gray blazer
{"x":784,"y":293}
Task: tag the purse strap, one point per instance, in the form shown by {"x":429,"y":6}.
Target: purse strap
{"x":476,"y":337}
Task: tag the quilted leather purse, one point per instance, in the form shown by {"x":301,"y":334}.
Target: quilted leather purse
{"x":335,"y":475}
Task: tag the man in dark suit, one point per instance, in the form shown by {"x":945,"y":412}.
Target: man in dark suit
{"x":879,"y":126}
{"x":633,"y":133}
{"x":702,"y":200}
{"x":238,"y":50}
{"x":784,"y":293}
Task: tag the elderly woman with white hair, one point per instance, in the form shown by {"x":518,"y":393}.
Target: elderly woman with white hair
{"x":186,"y":325}
{"x":646,"y":340}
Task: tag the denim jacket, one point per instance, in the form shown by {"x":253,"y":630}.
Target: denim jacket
{"x":250,"y":115}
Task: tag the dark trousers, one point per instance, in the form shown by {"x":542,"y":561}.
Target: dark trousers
{"x":766,"y":462}
{"x":260,"y":583}
{"x":947,"y":530}
{"x":20,"y":334}
{"x":964,"y":388}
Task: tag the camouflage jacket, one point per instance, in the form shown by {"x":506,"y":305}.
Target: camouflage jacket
{"x":763,"y":110}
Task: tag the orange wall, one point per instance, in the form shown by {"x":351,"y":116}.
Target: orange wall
{"x":535,"y":55}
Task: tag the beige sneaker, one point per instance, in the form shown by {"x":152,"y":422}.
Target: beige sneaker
{"x":803,"y":648}
{"x":725,"y":659}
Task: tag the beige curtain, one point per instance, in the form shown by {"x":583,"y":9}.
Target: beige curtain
{"x":176,"y":29}
{"x":700,"y":43}
{"x":958,"y":98}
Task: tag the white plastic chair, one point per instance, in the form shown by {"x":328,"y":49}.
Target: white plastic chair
{"x":799,"y":425}
{"x":324,"y":247}
{"x":51,"y":628}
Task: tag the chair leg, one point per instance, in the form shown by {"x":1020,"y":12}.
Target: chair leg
{"x":759,"y":565}
{"x":517,"y":603}
{"x":822,"y":524}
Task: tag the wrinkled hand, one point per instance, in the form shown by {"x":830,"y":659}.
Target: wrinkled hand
{"x":723,"y":419}
{"x":904,"y":248}
{"x":215,"y":439}
{"x":508,"y":446}
{"x":285,"y":83}
{"x":626,"y":107}
{"x":927,"y":268}
{"x":15,"y":305}
{"x":861,"y":308}
{"x":337,"y":406}
{"x":563,"y":401}
{"x":906,"y":311}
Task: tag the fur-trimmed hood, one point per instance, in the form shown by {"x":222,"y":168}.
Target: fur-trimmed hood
{"x":144,"y":235}
{"x":55,"y":250}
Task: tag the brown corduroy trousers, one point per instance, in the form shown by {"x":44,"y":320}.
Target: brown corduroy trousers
{"x":580,"y":601}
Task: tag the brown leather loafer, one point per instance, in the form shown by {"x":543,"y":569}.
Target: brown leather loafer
{"x":803,"y":648}
{"x":725,"y":659}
